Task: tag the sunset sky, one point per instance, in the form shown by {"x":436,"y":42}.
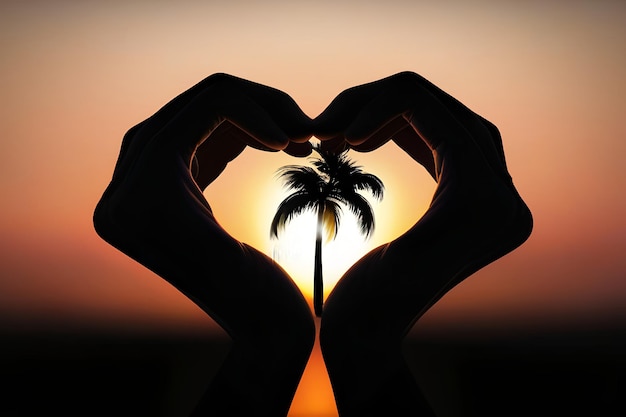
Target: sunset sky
{"x":75,"y":76}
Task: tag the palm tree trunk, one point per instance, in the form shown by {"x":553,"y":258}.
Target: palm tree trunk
{"x":318,"y":281}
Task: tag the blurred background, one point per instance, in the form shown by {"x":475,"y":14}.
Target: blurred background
{"x":76,"y":76}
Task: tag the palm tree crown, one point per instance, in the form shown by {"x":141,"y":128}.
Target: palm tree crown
{"x":333,"y":182}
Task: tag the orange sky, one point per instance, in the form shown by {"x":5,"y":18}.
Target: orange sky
{"x":75,"y":77}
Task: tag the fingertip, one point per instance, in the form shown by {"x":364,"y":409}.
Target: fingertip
{"x":277,"y":143}
{"x":336,"y":144}
{"x":299,"y":150}
{"x":333,"y":120}
{"x":302,"y":133}
{"x":363,"y":134}
{"x":268,"y":139}
{"x":354,"y":140}
{"x":298,"y":126}
{"x":370,"y":144}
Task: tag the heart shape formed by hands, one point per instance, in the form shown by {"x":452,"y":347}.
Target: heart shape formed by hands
{"x":207,"y":126}
{"x":155,"y":212}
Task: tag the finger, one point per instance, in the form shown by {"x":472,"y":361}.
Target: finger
{"x":335,"y":144}
{"x":172,"y":108}
{"x":366,"y":113}
{"x":380,"y":136}
{"x":484,"y":133}
{"x":251,"y":117}
{"x":213,"y":155}
{"x":450,"y":118}
{"x":370,"y":145}
{"x":225,"y":143}
{"x":408,"y":140}
{"x":467,"y":117}
{"x":280,"y":107}
{"x":381,"y":115}
{"x":341,"y":112}
{"x":266,"y":114}
{"x":299,"y":150}
{"x":405,"y":95}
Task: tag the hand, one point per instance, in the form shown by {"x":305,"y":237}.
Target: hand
{"x":154,"y":211}
{"x":476,"y":216}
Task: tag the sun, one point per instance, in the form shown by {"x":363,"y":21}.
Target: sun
{"x":295,"y":247}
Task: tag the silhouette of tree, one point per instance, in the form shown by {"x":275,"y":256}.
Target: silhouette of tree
{"x":333,"y":181}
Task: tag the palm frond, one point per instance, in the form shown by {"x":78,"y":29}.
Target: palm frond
{"x":361,"y":208}
{"x":334,"y":180}
{"x":360,"y":181}
{"x":292,"y":206}
{"x":331,"y":219}
{"x":301,"y":178}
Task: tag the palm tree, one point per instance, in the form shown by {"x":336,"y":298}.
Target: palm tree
{"x":333,"y":181}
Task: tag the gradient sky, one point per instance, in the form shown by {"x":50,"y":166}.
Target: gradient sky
{"x":75,"y":76}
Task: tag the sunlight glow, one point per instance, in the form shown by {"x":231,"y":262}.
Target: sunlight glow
{"x":294,"y":250}
{"x":245,"y":197}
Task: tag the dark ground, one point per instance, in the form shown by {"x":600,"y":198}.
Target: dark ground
{"x":522,"y":373}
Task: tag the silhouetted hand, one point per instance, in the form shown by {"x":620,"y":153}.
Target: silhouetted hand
{"x":476,"y":216}
{"x":154,"y":211}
